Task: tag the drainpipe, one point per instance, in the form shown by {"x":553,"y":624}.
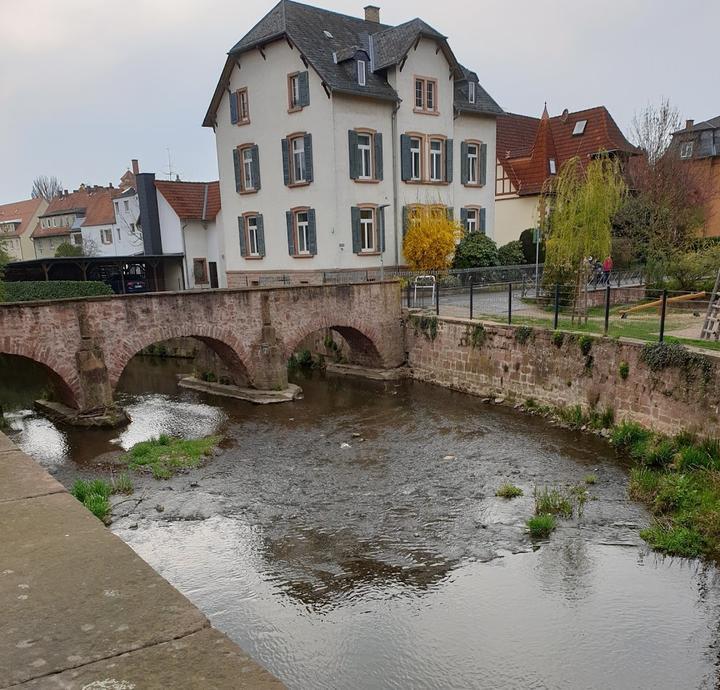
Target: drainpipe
{"x":186,"y":273}
{"x":395,"y":178}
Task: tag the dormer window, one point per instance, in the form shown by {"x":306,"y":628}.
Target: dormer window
{"x":686,"y":149}
{"x":579,"y":127}
{"x":361,"y":74}
{"x":471,"y":92}
{"x":553,"y":168}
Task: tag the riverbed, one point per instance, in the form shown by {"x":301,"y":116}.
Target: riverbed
{"x":352,"y":539}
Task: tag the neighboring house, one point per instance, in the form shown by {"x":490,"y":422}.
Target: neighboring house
{"x":330,"y":128}
{"x":699,"y":146}
{"x":17,"y":221}
{"x":530,"y":150}
{"x":183,"y":218}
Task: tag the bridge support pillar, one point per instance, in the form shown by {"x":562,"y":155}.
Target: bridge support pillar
{"x":271,"y":372}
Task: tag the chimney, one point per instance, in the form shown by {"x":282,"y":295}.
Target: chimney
{"x":135,"y":166}
{"x":564,"y":115}
{"x":689,"y":124}
{"x":372,"y":13}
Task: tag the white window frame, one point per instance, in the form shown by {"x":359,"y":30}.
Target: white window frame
{"x":247,"y":168}
{"x":302,"y":232}
{"x":106,"y":236}
{"x":297,"y":151}
{"x":367,"y":230}
{"x":553,"y":166}
{"x":361,"y":73}
{"x":243,"y":106}
{"x":252,"y":236}
{"x":365,"y":151}
{"x":430,"y":95}
{"x":473,"y":163}
{"x":436,"y":156}
{"x":471,"y":92}
{"x":686,"y":149}
{"x":416,"y":173}
{"x":421,"y":84}
{"x":294,"y":91}
{"x":579,"y":128}
{"x":472,"y":221}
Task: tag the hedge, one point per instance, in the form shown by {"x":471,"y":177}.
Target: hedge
{"x":36,"y":290}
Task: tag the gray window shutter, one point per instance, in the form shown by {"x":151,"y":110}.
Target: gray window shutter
{"x":355,"y":223}
{"x":448,"y":160}
{"x":483,"y":163}
{"x":450,"y":212}
{"x":241,"y":234}
{"x":312,"y":232}
{"x":405,"y":160}
{"x":354,"y":157}
{"x":260,"y":235}
{"x":482,"y":221}
{"x":233,"y":107}
{"x":304,"y":88}
{"x":378,"y":156}
{"x":256,"y":166}
{"x":236,"y":164}
{"x":381,"y":228}
{"x":463,"y":218}
{"x":308,"y":158}
{"x":286,"y":161}
{"x":290,"y":232}
{"x":405,"y":218}
{"x":463,"y":162}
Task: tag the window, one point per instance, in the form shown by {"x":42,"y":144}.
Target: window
{"x":298,"y":91}
{"x":118,"y":233}
{"x":302,"y":228}
{"x":472,"y":163}
{"x":298,"y":159}
{"x":471,"y":92}
{"x":294,"y":82}
{"x":106,"y":236}
{"x":362,"y":76}
{"x":579,"y":127}
{"x":686,"y":149}
{"x":243,"y":107}
{"x":553,"y":169}
{"x":426,"y":95}
{"x":126,"y":205}
{"x":200,"y":270}
{"x":415,"y":158}
{"x":365,"y":151}
{"x":77,"y":238}
{"x":436,"y":160}
{"x":367,"y":230}
{"x":246,"y":159}
{"x":252,"y":236}
{"x":247,"y":174}
{"x":471,"y":220}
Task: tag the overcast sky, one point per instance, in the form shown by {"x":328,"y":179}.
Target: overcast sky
{"x":86,"y":85}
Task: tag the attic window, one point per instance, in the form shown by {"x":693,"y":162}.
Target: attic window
{"x":553,"y":169}
{"x":579,"y":127}
{"x":686,"y":149}
{"x":361,"y":72}
{"x":471,"y":92}
{"x":327,"y":34}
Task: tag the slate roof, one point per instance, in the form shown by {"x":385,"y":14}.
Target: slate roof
{"x":191,"y":200}
{"x":22,"y":211}
{"x":484,"y":103}
{"x":525,"y":144}
{"x":307,"y":28}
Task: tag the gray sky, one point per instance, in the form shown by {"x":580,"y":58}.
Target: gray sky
{"x":87,"y":84}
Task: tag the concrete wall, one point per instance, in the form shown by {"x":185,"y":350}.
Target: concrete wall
{"x":668,"y":400}
{"x":514,"y":214}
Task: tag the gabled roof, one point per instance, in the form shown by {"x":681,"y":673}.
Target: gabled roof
{"x":484,"y":103}
{"x":191,"y":200}
{"x":328,"y":41}
{"x":100,"y":209}
{"x":712,"y":123}
{"x":22,"y":211}
{"x":525,"y":144}
{"x":93,"y":205}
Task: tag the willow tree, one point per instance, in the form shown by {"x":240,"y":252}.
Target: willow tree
{"x":576,"y":211}
{"x":430,"y":238}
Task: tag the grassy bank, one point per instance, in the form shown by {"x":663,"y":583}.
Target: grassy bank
{"x":165,"y":456}
{"x":95,"y":494}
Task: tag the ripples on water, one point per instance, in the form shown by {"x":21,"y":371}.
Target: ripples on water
{"x":381,"y":564}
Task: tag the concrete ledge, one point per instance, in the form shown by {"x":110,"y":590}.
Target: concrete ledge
{"x":367,"y":372}
{"x":110,"y":417}
{"x":292,"y":392}
{"x":21,"y":477}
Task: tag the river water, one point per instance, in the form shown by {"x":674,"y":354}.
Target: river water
{"x":352,"y":539}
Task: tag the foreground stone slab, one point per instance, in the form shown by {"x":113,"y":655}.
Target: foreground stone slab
{"x":205,"y":659}
{"x":253,"y":395}
{"x":21,"y":477}
{"x":108,"y":418}
{"x":367,"y":372}
{"x":72,"y":593}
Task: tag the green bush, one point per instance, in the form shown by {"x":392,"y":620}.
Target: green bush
{"x":37,"y":290}
{"x":475,"y":250}
{"x":68,"y":249}
{"x":511,"y":254}
{"x":624,"y":370}
{"x":528,"y":247}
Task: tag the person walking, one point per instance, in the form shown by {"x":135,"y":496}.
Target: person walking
{"x":607,"y":268}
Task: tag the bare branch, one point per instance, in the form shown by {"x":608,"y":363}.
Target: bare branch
{"x":46,"y":187}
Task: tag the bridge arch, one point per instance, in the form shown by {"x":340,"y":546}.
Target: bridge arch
{"x":62,"y":374}
{"x":223,"y":342}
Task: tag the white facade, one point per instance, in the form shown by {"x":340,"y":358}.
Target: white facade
{"x":332,"y":193}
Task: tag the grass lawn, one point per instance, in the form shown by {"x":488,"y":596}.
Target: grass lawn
{"x":165,"y":456}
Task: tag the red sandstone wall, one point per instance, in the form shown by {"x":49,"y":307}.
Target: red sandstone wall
{"x":666,"y":401}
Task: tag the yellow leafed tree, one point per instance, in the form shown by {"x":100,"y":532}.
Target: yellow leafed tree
{"x":431,"y":238}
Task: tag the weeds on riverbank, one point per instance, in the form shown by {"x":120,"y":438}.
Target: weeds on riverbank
{"x":540,"y":526}
{"x":165,"y":456}
{"x":509,"y":491}
{"x":94,"y":495}
{"x":679,"y":479}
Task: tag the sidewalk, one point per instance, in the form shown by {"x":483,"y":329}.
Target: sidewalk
{"x":80,"y":609}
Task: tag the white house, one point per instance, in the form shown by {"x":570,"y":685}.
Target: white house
{"x":330,"y":128}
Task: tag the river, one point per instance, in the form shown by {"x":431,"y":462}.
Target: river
{"x":352,"y":539}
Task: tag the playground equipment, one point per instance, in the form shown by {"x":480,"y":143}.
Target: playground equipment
{"x":658,"y":303}
{"x":711,"y":328}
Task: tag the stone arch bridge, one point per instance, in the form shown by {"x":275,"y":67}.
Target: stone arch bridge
{"x":85,"y":344}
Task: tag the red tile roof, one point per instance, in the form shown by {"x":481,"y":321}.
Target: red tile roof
{"x":24,"y":211}
{"x":191,"y":200}
{"x":95,"y":203}
{"x":525,"y":144}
